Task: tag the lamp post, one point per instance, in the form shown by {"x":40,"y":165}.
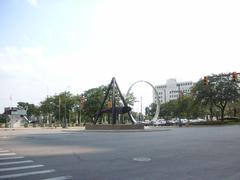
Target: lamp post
{"x":179,"y":119}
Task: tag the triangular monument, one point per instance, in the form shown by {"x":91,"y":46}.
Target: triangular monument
{"x":112,"y":104}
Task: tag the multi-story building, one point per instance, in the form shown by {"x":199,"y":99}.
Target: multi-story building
{"x":172,"y":90}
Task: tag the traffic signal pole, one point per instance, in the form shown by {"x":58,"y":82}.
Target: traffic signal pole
{"x":233,"y":75}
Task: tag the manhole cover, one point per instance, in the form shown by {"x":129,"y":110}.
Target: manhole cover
{"x":142,"y":159}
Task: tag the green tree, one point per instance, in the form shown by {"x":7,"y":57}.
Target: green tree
{"x":203,"y":96}
{"x":150,"y":111}
{"x":58,"y":107}
{"x":93,"y":98}
{"x":187,"y":108}
{"x":130,"y":99}
{"x":3,"y":118}
{"x":225,"y":91}
{"x":78,"y":106}
{"x":48,"y":108}
{"x":30,"y":108}
{"x":184,"y":107}
{"x":220,"y":91}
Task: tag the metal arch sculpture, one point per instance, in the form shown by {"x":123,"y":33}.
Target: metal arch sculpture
{"x":156,"y":94}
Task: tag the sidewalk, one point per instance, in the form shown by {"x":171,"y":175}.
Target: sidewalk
{"x":42,"y":128}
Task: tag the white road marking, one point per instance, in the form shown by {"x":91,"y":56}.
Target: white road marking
{"x":59,"y":178}
{"x":20,"y":167}
{"x":142,"y":159}
{"x":26,"y":174}
{"x":8,"y":154}
{"x":16,"y":162}
{"x":4,"y":137}
{"x":3,"y":151}
{"x":14,"y":157}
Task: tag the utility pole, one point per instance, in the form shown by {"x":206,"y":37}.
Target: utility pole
{"x":113,"y":103}
{"x":65,"y":111}
{"x":59,"y":109}
{"x":141,"y":117}
{"x":80,"y":108}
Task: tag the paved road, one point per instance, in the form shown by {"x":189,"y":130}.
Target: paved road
{"x":167,"y":153}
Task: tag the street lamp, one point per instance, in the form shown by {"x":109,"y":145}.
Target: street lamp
{"x":179,"y":119}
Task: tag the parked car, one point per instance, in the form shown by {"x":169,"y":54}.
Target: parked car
{"x":197,"y":120}
{"x":184,"y":121}
{"x":146,"y":122}
{"x":170,"y":122}
{"x":159,"y":122}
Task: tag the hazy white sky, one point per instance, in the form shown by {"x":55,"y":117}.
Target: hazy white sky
{"x":47,"y":47}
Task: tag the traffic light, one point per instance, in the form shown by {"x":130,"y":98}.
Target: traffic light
{"x":205,"y":80}
{"x":234,"y":76}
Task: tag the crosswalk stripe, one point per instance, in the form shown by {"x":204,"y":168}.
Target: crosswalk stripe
{"x":16,"y":162}
{"x":8,"y":154}
{"x":20,"y":167}
{"x":13,"y":157}
{"x":26,"y":174}
{"x":3,"y":137}
{"x":3,"y":151}
{"x":59,"y":178}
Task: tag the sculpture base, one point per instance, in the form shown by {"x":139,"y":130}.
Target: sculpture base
{"x":113,"y":127}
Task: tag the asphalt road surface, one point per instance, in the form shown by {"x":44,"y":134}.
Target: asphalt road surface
{"x":165,"y":153}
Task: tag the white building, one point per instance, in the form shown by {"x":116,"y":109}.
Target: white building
{"x":172,"y":90}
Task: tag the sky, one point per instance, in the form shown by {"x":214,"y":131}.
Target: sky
{"x":48,"y":47}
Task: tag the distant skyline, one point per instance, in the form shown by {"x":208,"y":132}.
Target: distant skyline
{"x":47,"y":47}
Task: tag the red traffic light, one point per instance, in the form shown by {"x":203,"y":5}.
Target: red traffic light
{"x":205,"y":80}
{"x":234,"y":76}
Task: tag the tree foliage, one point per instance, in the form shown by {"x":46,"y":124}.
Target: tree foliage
{"x":219,"y":92}
{"x":30,"y":108}
{"x":213,"y":99}
{"x":219,"y":98}
{"x":92,"y":101}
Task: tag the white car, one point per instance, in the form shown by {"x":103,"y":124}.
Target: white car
{"x":184,"y":121}
{"x":159,"y":122}
{"x":197,"y":120}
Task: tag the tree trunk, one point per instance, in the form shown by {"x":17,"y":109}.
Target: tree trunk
{"x":222,"y":111}
{"x":78,"y":117}
{"x":222,"y":115}
{"x":234,"y":112}
{"x":211,"y":113}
